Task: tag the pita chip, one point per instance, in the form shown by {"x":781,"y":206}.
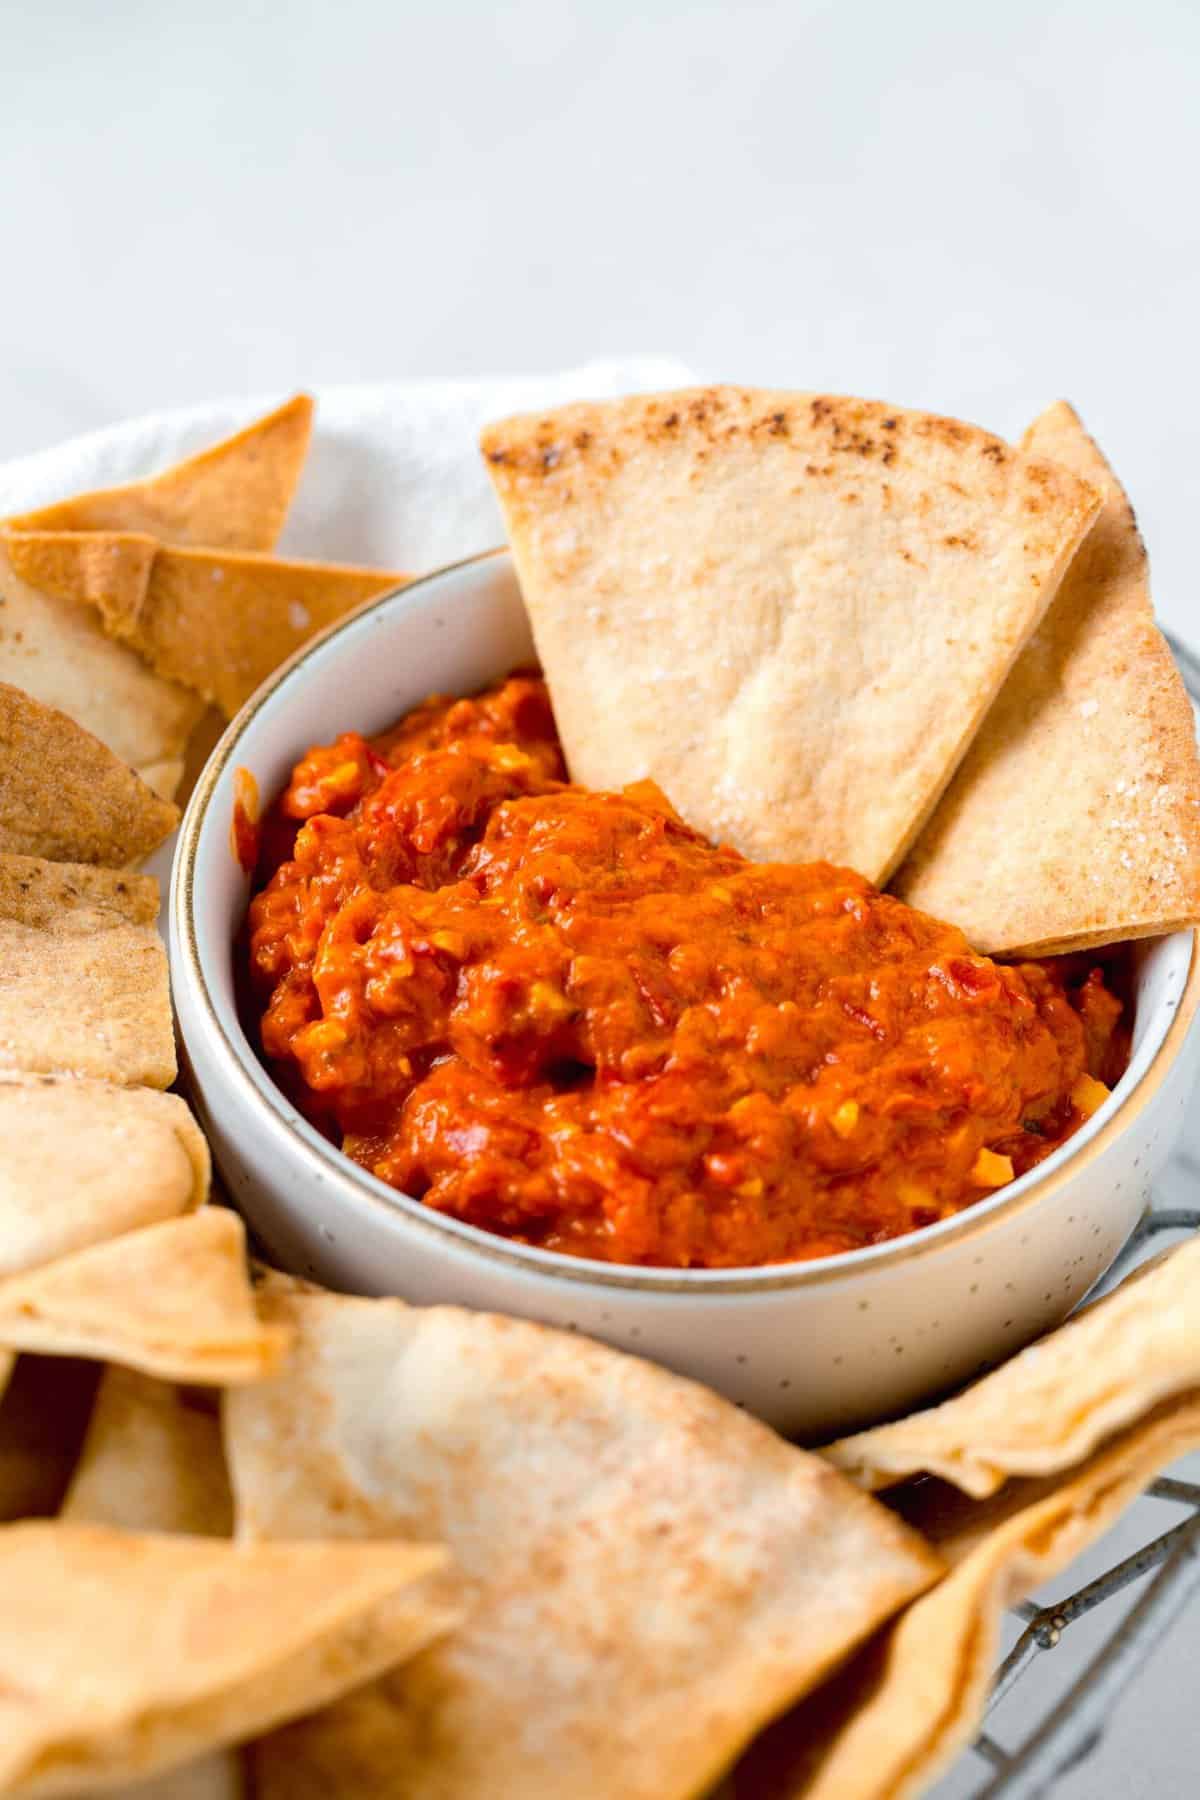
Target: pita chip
{"x":217,"y":621}
{"x":57,"y":651}
{"x":649,"y":1573}
{"x":1074,"y":819}
{"x":66,"y":796}
{"x":902,"y":1710}
{"x":234,"y":495}
{"x":125,"y":1653}
{"x":83,"y":974}
{"x":790,"y":611}
{"x":1051,"y":1406}
{"x":85,"y":1161}
{"x":152,"y":1460}
{"x":173,"y":1300}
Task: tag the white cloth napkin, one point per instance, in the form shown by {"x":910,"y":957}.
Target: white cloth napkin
{"x":394,"y":476}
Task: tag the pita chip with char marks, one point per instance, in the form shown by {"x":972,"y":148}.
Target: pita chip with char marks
{"x":1074,"y":819}
{"x":235,"y":495}
{"x":57,"y":651}
{"x":902,"y":1710}
{"x":172,"y":1299}
{"x":83,"y":974}
{"x":791,"y":611}
{"x":66,"y":796}
{"x":216,"y":621}
{"x":650,"y":1574}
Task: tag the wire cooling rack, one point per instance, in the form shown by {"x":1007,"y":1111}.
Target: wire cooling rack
{"x":1166,"y":1563}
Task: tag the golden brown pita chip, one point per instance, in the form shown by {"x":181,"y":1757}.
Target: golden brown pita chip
{"x":650,"y":1574}
{"x":122,"y":1653}
{"x":64,"y":795}
{"x":217,"y":621}
{"x":84,"y":1161}
{"x":1052,"y":1405}
{"x":83,"y":974}
{"x":44,"y":1414}
{"x":234,"y":495}
{"x":1075,"y":817}
{"x":57,"y":651}
{"x":790,"y":611}
{"x":902,"y":1710}
{"x":172,"y":1300}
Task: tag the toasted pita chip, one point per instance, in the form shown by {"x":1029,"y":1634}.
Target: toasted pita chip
{"x":1074,"y":819}
{"x":43,"y":1418}
{"x":216,"y":621}
{"x":85,"y":1161}
{"x":1052,"y":1405}
{"x":172,"y":1300}
{"x":83,"y":974}
{"x":152,"y":1460}
{"x":650,"y":1573}
{"x":122,"y":1653}
{"x":234,"y":495}
{"x":790,"y":611}
{"x":902,"y":1710}
{"x":64,"y":795}
{"x":57,"y":651}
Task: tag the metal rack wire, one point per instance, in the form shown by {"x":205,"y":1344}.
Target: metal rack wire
{"x":1074,"y":1725}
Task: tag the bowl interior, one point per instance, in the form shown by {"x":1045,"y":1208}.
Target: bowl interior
{"x":454,"y":632}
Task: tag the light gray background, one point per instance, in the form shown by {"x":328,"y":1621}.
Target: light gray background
{"x":972,"y":208}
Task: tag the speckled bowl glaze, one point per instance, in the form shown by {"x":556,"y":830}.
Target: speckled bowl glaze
{"x":814,"y":1348}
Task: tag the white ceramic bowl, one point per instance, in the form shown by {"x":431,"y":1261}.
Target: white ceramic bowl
{"x":813,"y":1347}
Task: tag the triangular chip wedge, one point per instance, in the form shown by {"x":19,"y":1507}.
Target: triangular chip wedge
{"x":123,"y":1653}
{"x":44,"y":1412}
{"x":152,"y":1460}
{"x":85,"y":1161}
{"x":58,"y":651}
{"x":790,"y":611}
{"x":234,"y":495}
{"x":650,"y":1574}
{"x":903,"y":1709}
{"x":1052,"y":1405}
{"x":1074,"y":819}
{"x":173,"y":1300}
{"x":83,"y":974}
{"x":217,"y":621}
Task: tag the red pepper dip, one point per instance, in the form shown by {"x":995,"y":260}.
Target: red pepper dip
{"x":568,"y":1018}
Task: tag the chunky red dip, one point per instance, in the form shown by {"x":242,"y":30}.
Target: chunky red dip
{"x":566,"y":1017}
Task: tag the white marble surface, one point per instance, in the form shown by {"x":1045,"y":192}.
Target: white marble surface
{"x":971,"y":208}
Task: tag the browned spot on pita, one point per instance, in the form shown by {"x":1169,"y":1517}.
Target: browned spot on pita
{"x":712,"y":615}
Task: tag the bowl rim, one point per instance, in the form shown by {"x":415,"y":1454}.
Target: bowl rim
{"x":272,"y":1111}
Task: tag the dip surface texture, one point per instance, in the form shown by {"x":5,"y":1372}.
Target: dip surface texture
{"x":566,"y":1017}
